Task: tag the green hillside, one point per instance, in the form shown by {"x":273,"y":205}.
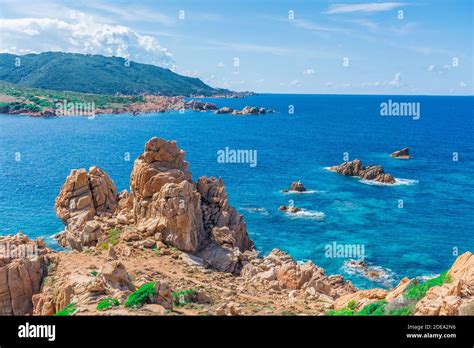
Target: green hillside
{"x":96,"y":74}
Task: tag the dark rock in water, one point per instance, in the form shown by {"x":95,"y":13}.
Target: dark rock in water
{"x":355,"y":168}
{"x":402,"y":154}
{"x":296,"y":186}
{"x":289,"y":209}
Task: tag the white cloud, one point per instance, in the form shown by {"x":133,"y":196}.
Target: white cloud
{"x":221,"y":65}
{"x":397,"y":80}
{"x":294,"y":83}
{"x":431,"y":68}
{"x":366,"y":7}
{"x":462,"y":84}
{"x":309,"y":71}
{"x":81,"y":34}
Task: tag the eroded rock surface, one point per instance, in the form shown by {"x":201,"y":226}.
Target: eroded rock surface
{"x":355,"y":168}
{"x":83,"y":197}
{"x":23,"y":264}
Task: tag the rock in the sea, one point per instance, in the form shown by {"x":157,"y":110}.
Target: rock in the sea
{"x":82,"y":197}
{"x":355,"y":168}
{"x":296,"y":186}
{"x":402,"y":154}
{"x":250,"y":110}
{"x":224,"y":110}
{"x":289,"y":209}
{"x":21,"y":274}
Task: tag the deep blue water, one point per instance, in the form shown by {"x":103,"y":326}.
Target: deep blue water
{"x":416,"y":240}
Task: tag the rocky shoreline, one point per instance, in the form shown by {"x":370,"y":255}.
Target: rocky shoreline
{"x":180,"y":247}
{"x":149,"y":104}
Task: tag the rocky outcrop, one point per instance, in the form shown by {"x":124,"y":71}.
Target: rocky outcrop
{"x":279,"y":271}
{"x":448,"y":298}
{"x":198,"y":105}
{"x":23,"y":265}
{"x":355,"y":168}
{"x":247,"y":110}
{"x":402,"y":154}
{"x":289,"y":209}
{"x":165,"y":200}
{"x":164,"y":205}
{"x":296,"y":186}
{"x":83,"y":197}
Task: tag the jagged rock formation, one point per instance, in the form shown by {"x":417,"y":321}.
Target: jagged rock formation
{"x":296,"y":186}
{"x":83,"y":197}
{"x":280,"y":271}
{"x":403,"y":153}
{"x":163,"y":203}
{"x":23,"y":264}
{"x":112,"y":280}
{"x":355,"y":168}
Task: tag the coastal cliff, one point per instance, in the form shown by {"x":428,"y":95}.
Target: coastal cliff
{"x":174,"y":246}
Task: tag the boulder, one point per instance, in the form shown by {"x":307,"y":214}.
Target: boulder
{"x":289,"y":209}
{"x":355,"y":168}
{"x":84,"y":196}
{"x":224,"y":110}
{"x":402,"y":154}
{"x":297,"y":186}
{"x":21,"y":274}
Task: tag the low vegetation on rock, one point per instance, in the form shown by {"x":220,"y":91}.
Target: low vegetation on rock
{"x":140,"y":296}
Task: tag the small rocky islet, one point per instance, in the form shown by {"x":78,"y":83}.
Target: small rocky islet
{"x":356,"y":168}
{"x":180,"y":247}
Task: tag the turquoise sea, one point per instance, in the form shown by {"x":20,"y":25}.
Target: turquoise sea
{"x":437,"y":192}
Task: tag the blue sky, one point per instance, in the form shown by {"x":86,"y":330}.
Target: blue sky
{"x":427,"y":51}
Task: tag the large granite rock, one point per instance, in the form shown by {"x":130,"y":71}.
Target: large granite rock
{"x":448,"y":298}
{"x":279,"y":270}
{"x":193,"y":217}
{"x":82,"y":197}
{"x":21,"y":273}
{"x":355,"y":168}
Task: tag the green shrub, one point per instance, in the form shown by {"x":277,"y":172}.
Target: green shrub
{"x":373,"y":309}
{"x":418,"y":291}
{"x":107,"y":303}
{"x":66,"y":311}
{"x":114,"y":235}
{"x":183,"y":297}
{"x":352,"y":305}
{"x":408,"y":310}
{"x":140,"y":296}
{"x":341,"y":312}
